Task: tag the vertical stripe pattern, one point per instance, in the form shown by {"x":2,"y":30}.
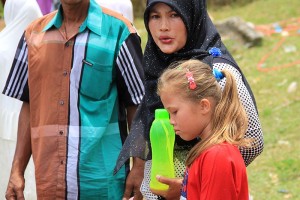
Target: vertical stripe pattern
{"x":74,"y":128}
{"x":129,"y":72}
{"x":14,"y":88}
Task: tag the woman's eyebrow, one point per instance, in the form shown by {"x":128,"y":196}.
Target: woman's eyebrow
{"x":154,"y":10}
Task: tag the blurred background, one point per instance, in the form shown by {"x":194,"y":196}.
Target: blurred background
{"x":264,"y":38}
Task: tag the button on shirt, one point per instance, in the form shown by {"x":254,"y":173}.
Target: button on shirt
{"x":76,"y":89}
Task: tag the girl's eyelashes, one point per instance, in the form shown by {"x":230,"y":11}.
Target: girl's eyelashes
{"x":173,"y":112}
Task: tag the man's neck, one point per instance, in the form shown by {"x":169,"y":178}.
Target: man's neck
{"x":75,"y":13}
{"x":73,"y":16}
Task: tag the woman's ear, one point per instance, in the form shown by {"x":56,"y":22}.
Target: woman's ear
{"x":205,"y":106}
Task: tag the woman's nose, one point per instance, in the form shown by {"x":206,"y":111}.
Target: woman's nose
{"x":164,"y":25}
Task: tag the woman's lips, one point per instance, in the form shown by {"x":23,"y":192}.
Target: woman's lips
{"x":165,"y":40}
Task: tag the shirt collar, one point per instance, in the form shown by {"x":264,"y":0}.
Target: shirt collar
{"x":92,"y":21}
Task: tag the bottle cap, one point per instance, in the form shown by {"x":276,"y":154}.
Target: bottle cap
{"x":161,"y":114}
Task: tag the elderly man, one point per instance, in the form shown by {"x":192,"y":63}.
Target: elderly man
{"x":78,"y":72}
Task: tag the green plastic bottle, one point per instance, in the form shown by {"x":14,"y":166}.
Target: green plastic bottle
{"x":162,"y":137}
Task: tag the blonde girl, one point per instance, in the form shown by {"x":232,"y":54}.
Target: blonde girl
{"x":199,"y":109}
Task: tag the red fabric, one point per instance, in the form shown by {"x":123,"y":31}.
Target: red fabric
{"x":218,"y":173}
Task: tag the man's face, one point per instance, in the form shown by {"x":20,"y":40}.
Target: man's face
{"x":73,"y":2}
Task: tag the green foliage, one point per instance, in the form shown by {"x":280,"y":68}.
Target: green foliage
{"x":275,"y":173}
{"x":1,"y":10}
{"x":259,"y":11}
{"x":220,"y":3}
{"x":138,"y":8}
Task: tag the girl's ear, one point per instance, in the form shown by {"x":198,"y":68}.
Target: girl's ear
{"x":205,"y":106}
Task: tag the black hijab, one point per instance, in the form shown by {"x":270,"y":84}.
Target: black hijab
{"x":201,"y":37}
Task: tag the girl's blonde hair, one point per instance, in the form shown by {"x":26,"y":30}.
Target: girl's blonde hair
{"x":229,"y":121}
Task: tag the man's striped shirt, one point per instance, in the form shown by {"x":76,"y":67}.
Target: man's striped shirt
{"x":77,"y":89}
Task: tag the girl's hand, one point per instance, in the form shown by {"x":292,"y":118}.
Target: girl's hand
{"x":174,"y":184}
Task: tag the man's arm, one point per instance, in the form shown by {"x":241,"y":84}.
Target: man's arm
{"x":130,"y":114}
{"x":136,"y":174}
{"x":22,"y":155}
{"x":134,"y":180}
{"x":131,"y":77}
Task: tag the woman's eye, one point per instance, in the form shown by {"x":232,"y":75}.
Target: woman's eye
{"x":154,"y":16}
{"x":174,"y":15}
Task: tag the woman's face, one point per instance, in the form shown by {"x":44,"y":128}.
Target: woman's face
{"x":167,"y":28}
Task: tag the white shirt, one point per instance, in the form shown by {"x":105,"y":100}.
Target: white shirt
{"x":17,"y":15}
{"x":122,"y":6}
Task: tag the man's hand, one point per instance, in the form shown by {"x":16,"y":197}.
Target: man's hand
{"x":134,"y":180}
{"x":15,"y":187}
{"x":16,"y":184}
{"x":173,"y":191}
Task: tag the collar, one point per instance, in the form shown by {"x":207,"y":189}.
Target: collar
{"x":92,"y":21}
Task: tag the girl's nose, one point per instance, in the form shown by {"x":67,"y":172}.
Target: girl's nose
{"x":172,"y":121}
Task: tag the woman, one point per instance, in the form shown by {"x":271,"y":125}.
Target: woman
{"x":17,"y":15}
{"x":164,"y":21}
